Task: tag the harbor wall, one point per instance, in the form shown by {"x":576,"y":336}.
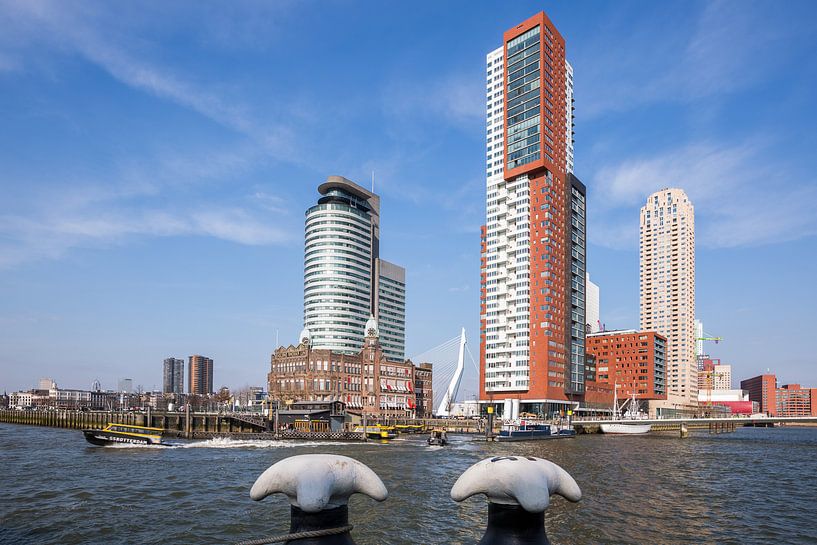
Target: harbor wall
{"x":198,"y":425}
{"x":174,"y":424}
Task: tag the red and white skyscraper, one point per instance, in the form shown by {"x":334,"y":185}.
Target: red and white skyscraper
{"x":533,"y":258}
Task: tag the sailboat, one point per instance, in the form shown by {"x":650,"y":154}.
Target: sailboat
{"x":625,"y":427}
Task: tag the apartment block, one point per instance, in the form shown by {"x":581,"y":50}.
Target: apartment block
{"x":632,"y":361}
{"x":667,"y":286}
{"x":199,"y":375}
{"x":533,"y":256}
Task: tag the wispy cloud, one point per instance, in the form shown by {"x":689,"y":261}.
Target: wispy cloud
{"x":50,"y":236}
{"x":732,"y":45}
{"x":728,"y":186}
{"x":86,"y":30}
{"x":457,"y":98}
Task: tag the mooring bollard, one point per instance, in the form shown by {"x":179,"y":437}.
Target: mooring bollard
{"x":318,"y":487}
{"x":518,"y":490}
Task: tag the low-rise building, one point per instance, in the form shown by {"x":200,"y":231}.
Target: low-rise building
{"x":366,"y":381}
{"x":794,"y":400}
{"x":737,"y":401}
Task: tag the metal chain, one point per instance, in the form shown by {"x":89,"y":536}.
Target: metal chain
{"x":298,"y":535}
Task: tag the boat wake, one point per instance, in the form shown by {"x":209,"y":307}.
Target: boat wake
{"x":226,"y":442}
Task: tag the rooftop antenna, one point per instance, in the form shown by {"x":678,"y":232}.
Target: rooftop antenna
{"x":276,"y":338}
{"x":373,"y":181}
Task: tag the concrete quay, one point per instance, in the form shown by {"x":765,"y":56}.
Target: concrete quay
{"x":714,"y":425}
{"x":207,"y":425}
{"x":189,"y":425}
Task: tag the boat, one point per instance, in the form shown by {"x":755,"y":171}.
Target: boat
{"x":628,"y":421}
{"x":377,"y":431}
{"x":533,"y":431}
{"x":410,"y":428}
{"x":438,"y":438}
{"x":114,"y":434}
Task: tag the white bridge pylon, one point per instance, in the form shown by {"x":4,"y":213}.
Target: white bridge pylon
{"x":448,"y":370}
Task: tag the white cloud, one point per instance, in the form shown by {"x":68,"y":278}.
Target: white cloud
{"x":50,"y":235}
{"x":728,"y":186}
{"x":101,"y":37}
{"x":730,"y":46}
{"x":457,"y":98}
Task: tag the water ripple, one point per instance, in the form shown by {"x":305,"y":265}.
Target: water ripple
{"x":752,"y":486}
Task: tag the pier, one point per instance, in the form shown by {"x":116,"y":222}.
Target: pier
{"x":192,"y":425}
{"x":713,"y":425}
{"x":185,"y":424}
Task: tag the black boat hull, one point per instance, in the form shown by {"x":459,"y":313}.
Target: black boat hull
{"x":104,"y":438}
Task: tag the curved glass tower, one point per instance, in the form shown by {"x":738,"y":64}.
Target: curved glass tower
{"x":341,"y":246}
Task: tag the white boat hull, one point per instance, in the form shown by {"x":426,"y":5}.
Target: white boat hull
{"x":629,"y":429}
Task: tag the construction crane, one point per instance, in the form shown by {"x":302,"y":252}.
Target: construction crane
{"x":715,"y":339}
{"x":710,"y":375}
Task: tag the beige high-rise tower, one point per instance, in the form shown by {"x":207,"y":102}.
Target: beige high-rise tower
{"x":667,"y":274}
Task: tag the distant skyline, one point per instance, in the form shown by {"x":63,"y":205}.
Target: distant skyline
{"x":156,"y":161}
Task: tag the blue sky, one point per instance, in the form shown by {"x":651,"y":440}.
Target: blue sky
{"x":156,"y":161}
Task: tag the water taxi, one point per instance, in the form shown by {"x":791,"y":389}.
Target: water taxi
{"x":410,"y":428}
{"x":377,"y":431}
{"x":438,"y":438}
{"x":113,"y":434}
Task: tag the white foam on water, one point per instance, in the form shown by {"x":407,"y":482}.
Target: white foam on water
{"x":134,"y":445}
{"x":227,"y":442}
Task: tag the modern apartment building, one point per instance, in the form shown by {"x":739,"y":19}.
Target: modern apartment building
{"x":593,"y":314}
{"x":713,"y":375}
{"x":199,"y":375}
{"x":667,"y":292}
{"x":173,"y":376}
{"x":390,"y":304}
{"x":345,"y":281}
{"x":367,"y":381}
{"x":763,"y":389}
{"x":633,"y":361}
{"x":533,"y":257}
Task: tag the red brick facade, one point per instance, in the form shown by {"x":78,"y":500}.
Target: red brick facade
{"x":763,"y":389}
{"x":635,"y":360}
{"x":366,"y":381}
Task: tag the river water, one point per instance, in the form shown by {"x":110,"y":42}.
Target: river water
{"x":751,"y":486}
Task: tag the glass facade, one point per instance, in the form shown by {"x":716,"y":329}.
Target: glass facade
{"x":522,"y":111}
{"x":338,"y":272}
{"x":391,"y":310}
{"x":578,"y":267}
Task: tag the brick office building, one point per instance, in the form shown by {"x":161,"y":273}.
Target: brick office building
{"x":366,"y":381}
{"x":763,"y":389}
{"x":423,"y":390}
{"x":634,"y":360}
{"x":794,"y":400}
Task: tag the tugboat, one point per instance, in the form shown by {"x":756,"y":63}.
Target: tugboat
{"x":438,"y":438}
{"x":113,"y":434}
